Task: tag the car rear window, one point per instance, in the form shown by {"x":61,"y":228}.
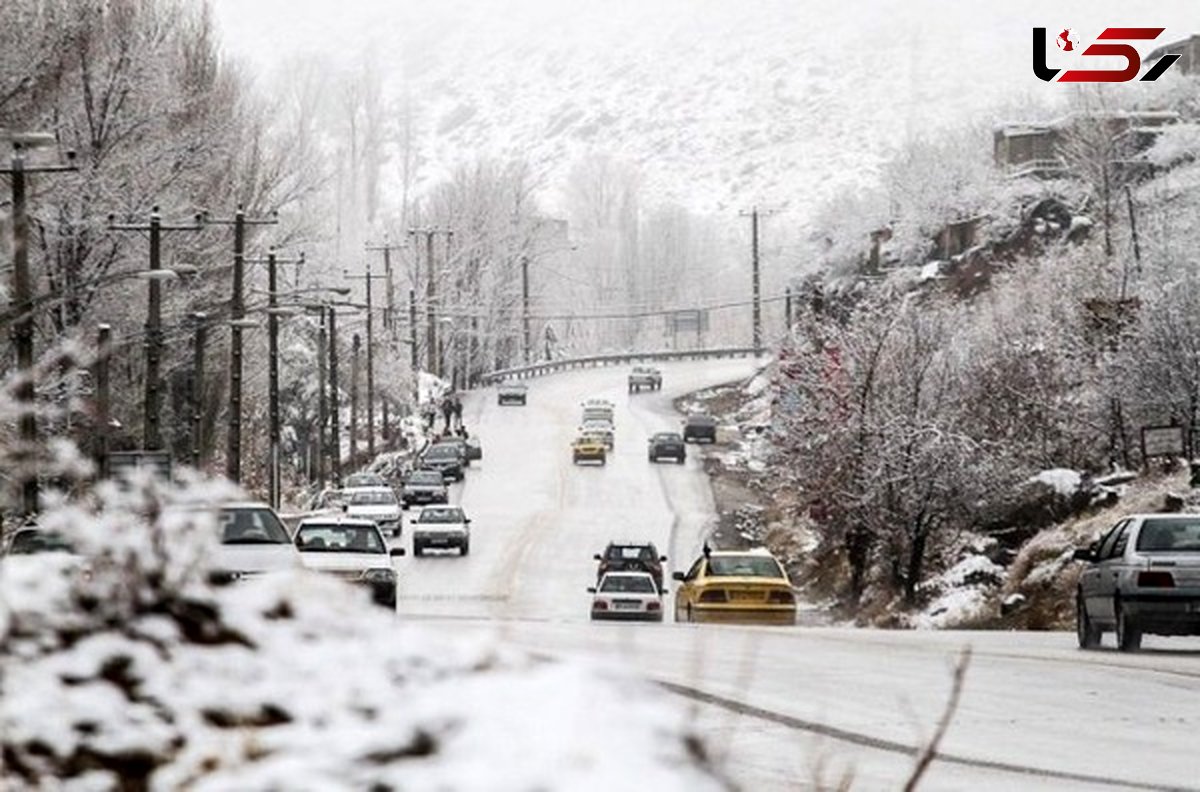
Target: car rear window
{"x":1169,"y":536}
{"x":631,"y":584}
{"x":433,"y":514}
{"x":432,"y":477}
{"x":372,"y":499}
{"x":631,"y":553}
{"x":744,"y":566}
{"x":252,"y":526}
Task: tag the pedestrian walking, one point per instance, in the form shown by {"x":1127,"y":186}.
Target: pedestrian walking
{"x":457,"y":407}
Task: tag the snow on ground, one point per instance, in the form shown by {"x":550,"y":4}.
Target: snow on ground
{"x":1062,"y":480}
{"x":966,"y":593}
{"x":138,"y":671}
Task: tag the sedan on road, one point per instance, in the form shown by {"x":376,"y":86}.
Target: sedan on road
{"x":442,"y":527}
{"x":589,"y":448}
{"x":735,"y":586}
{"x":448,"y":458}
{"x":352,"y":550}
{"x":424,"y":486}
{"x":379,"y":504}
{"x":631,"y":557}
{"x":601,"y":429}
{"x":1142,"y":576}
{"x":626,"y":596}
{"x":253,"y":541}
{"x":667,"y":445}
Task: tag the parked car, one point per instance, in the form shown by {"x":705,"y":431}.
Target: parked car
{"x":512,"y":393}
{"x":644,"y":378}
{"x":444,"y":527}
{"x":33,"y":541}
{"x":669,"y":445}
{"x":631,"y":596}
{"x":351,"y":549}
{"x":424,"y":486}
{"x":36,"y":553}
{"x":735,"y":586}
{"x":1142,"y":576}
{"x":700,"y":427}
{"x":447,"y":458}
{"x":364,"y":480}
{"x":589,"y":448}
{"x":254,"y":541}
{"x":631,"y":557}
{"x":470,"y":447}
{"x":379,"y":504}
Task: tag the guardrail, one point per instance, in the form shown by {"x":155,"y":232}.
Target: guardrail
{"x":615,"y":359}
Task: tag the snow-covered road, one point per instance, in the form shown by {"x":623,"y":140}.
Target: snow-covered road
{"x":784,"y":707}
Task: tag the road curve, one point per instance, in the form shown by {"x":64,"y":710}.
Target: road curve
{"x":786,"y":708}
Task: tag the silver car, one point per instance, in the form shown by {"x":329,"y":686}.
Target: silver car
{"x":1142,"y":576}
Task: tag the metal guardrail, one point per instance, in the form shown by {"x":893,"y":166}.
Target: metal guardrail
{"x":615,"y":359}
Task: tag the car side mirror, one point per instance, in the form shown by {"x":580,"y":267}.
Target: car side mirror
{"x":396,"y":551}
{"x":591,"y":589}
{"x":597,"y":557}
{"x":412,"y":522}
{"x":467,"y":521}
{"x":1084,"y":554}
{"x":678,"y":576}
{"x":662,"y":558}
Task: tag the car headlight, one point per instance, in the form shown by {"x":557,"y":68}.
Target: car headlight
{"x":379,"y":576}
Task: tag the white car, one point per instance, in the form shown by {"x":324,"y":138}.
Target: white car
{"x":253,"y":541}
{"x":443,"y":527}
{"x":356,"y":482}
{"x":601,"y":429}
{"x":351,"y":549}
{"x":379,"y":504}
{"x":628,"y":596}
{"x":599,"y":410}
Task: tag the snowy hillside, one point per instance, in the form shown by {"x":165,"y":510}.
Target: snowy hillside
{"x":721,"y":104}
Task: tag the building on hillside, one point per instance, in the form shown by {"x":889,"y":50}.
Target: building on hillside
{"x":1189,"y":54}
{"x":1037,"y":149}
{"x":957,"y":238}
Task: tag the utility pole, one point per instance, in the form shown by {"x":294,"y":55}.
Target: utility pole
{"x":432,"y":358}
{"x":335,"y":437}
{"x":233,"y":452}
{"x":787,"y":310}
{"x":153,"y":345}
{"x":755,"y":280}
{"x":321,"y":414}
{"x":22,"y":297}
{"x":389,"y":316}
{"x":354,"y":399}
{"x":525,"y":334}
{"x":414,"y":363}
{"x":274,"y":463}
{"x":368,"y":278}
{"x":199,"y":342}
{"x":103,"y":392}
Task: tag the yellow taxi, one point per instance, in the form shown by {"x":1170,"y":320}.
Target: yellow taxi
{"x":748,"y":586}
{"x":589,"y":448}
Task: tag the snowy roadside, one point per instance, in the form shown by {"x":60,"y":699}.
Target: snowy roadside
{"x":126,"y":669}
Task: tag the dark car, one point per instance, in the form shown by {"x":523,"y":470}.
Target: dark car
{"x":422,"y":487}
{"x":471,"y":449}
{"x":447,"y":458}
{"x":668,"y":445}
{"x":700,"y":428}
{"x":1143,"y":576}
{"x":631,"y":557}
{"x":31,"y":541}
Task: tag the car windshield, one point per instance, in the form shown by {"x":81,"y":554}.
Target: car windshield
{"x":364,"y":480}
{"x":632,"y":553}
{"x":433,"y":514}
{"x":667,"y":437}
{"x":442,"y":452}
{"x":425,"y":477}
{"x":633,"y":584}
{"x":744,"y":566}
{"x":339,"y":538}
{"x":252,"y":526}
{"x":31,"y":542}
{"x":1169,"y":536}
{"x":597,"y":426}
{"x":702,"y":420}
{"x":380,"y":498}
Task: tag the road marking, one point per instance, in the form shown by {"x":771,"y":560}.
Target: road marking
{"x":890,"y":746}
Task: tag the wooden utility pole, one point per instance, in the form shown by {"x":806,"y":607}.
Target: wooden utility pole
{"x":199,"y":342}
{"x":755,"y":279}
{"x":354,"y":400}
{"x":433,"y":361}
{"x":368,"y":278}
{"x":239,"y":221}
{"x":103,"y":392}
{"x":152,"y":397}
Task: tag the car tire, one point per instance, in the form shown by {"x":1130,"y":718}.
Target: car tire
{"x":681,"y":459}
{"x":418,"y":549}
{"x":652,"y":458}
{"x":1086,"y":631}
{"x":464,"y":548}
{"x":1129,"y":635}
{"x":691,"y":617}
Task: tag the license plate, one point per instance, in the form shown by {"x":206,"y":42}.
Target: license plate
{"x":627,"y":605}
{"x":745,"y":595}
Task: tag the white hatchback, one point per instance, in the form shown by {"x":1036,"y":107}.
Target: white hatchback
{"x":628,"y":596}
{"x":379,"y":504}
